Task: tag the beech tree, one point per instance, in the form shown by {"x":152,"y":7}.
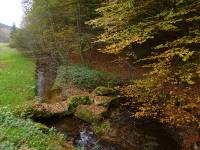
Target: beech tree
{"x":168,"y":90}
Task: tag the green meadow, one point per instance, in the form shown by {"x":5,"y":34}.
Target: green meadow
{"x":17,"y":77}
{"x":17,"y":85}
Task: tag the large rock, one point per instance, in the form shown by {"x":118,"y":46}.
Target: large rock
{"x":44,"y":110}
{"x":101,"y":100}
{"x":90,"y":113}
{"x":105,"y":101}
{"x":104,"y":91}
{"x":75,"y":101}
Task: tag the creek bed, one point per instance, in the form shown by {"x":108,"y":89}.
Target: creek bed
{"x":130,"y":135}
{"x":125,"y":132}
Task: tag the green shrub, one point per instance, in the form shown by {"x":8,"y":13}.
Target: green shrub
{"x":83,"y":77}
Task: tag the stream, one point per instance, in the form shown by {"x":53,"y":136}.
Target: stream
{"x":125,"y":133}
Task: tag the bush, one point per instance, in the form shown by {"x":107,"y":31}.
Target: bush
{"x":83,"y":77}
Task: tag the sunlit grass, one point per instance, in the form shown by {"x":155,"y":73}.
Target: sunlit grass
{"x":17,"y":79}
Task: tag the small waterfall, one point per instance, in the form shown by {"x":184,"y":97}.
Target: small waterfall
{"x":40,"y":84}
{"x":87,"y":139}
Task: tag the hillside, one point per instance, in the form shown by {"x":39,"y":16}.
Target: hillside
{"x":4,"y":33}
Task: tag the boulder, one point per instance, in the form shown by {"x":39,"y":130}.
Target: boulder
{"x":76,"y":100}
{"x":105,"y":101}
{"x":101,"y":100}
{"x":104,"y":91}
{"x":90,"y":113}
{"x":44,"y":110}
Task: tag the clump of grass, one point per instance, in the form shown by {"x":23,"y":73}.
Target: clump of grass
{"x":102,"y":128}
{"x":83,"y":77}
{"x":17,"y":79}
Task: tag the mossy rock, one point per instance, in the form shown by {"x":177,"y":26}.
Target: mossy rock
{"x":75,"y":101}
{"x":90,"y":113}
{"x":44,"y":110}
{"x":37,"y":110}
{"x":104,"y":91}
{"x":106,"y":101}
{"x":101,"y":100}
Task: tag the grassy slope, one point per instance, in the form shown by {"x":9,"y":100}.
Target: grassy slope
{"x":17,"y":81}
{"x":17,"y":84}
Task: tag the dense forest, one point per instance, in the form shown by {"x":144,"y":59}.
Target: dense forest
{"x":148,"y":50}
{"x":4,"y":33}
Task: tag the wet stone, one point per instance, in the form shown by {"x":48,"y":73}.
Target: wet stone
{"x":76,"y":100}
{"x":104,"y":91}
{"x":90,"y":113}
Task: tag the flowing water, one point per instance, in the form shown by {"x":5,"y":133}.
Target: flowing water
{"x":40,"y":84}
{"x":125,"y":133}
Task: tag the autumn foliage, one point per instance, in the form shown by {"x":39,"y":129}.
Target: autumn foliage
{"x":166,"y":31}
{"x":170,"y":91}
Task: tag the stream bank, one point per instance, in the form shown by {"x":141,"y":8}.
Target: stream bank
{"x":124,"y":132}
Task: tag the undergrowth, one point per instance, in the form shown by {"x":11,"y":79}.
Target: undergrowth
{"x":17,"y":86}
{"x":84,"y":77}
{"x":102,"y":128}
{"x":17,"y":133}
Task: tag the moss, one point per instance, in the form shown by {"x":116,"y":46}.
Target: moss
{"x":104,"y":91}
{"x":32,"y":112}
{"x":40,"y":110}
{"x":106,"y":101}
{"x":75,"y":101}
{"x":102,"y":101}
{"x":90,"y":113}
{"x":85,"y":115}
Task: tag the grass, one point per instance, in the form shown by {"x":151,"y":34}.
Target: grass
{"x":101,"y":128}
{"x":17,"y":86}
{"x":17,"y":81}
{"x":17,"y":133}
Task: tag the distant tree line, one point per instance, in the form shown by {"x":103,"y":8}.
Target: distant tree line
{"x":57,"y":28}
{"x":4,"y":33}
